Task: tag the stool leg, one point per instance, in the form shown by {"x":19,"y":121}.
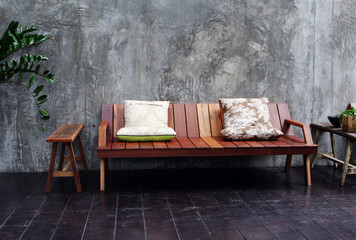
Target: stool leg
{"x":346,"y":162}
{"x":61,"y":159}
{"x":51,"y":167}
{"x":74,"y":167}
{"x":82,"y":156}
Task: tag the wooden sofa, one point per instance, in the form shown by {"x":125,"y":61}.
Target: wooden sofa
{"x":198,"y":134}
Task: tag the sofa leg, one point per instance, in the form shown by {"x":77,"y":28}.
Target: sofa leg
{"x":103,"y":167}
{"x":307,"y":171}
{"x":288,"y":163}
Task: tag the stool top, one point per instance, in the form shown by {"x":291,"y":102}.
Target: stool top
{"x":327,"y":127}
{"x":66,"y":133}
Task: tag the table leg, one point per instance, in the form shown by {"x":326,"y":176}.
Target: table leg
{"x":346,"y":162}
{"x":51,"y":167}
{"x":332,"y":139}
{"x":74,"y":167}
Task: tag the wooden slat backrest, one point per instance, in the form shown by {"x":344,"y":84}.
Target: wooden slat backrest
{"x":192,"y":120}
{"x":170,"y":116}
{"x":118,"y":119}
{"x":215,"y":119}
{"x":180,"y":125}
{"x":283,"y":111}
{"x":107,"y":115}
{"x":204,"y":120}
{"x":273,"y":112}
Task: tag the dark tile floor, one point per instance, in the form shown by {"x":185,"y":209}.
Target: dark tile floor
{"x":256,"y":203}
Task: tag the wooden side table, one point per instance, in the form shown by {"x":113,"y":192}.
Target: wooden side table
{"x":66,"y":135}
{"x":347,"y":167}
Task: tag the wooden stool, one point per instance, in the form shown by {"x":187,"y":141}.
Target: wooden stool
{"x":66,"y":135}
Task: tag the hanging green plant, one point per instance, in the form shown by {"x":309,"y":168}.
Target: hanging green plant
{"x":14,"y":39}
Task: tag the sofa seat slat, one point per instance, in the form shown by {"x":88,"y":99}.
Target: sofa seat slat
{"x":159,"y":145}
{"x":280,"y":143}
{"x":173,"y":144}
{"x":146,"y":145}
{"x":290,"y":141}
{"x":185,"y":143}
{"x":255,"y":144}
{"x":118,"y":145}
{"x":132,"y":145}
{"x":224,"y":143}
{"x":242,"y":144}
{"x":199,"y":143}
{"x":212,"y":142}
{"x":268,"y":143}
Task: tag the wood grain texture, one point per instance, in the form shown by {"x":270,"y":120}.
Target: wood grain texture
{"x":192,"y":120}
{"x":212,"y":142}
{"x":66,"y":133}
{"x":283,"y":112}
{"x":203,"y":120}
{"x":273,"y":112}
{"x":107,"y":114}
{"x":215,"y":119}
{"x":179,"y":120}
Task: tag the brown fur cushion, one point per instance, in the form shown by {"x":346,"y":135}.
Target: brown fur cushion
{"x":247,"y":119}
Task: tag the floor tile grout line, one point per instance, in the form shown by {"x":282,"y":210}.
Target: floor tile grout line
{"x":304,"y":212}
{"x":36,"y":213}
{"x":264,"y":200}
{"x":228,"y":215}
{"x":116,"y":212}
{"x":298,"y":210}
{"x":60,"y":217}
{"x":7,"y":218}
{"x":197,"y":211}
{"x":143,"y":216}
{"x":170,"y":212}
{"x":87,"y":220}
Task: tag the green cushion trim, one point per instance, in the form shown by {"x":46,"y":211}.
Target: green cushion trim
{"x":158,"y":138}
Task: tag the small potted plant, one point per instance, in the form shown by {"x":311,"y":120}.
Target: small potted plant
{"x":348,"y":120}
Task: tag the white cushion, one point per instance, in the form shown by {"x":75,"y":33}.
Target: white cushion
{"x":146,"y":131}
{"x":146,"y":113}
{"x":247,"y":119}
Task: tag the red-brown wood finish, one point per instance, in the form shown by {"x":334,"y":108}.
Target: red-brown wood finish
{"x":198,"y":135}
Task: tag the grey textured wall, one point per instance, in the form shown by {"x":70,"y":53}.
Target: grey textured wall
{"x":105,"y":51}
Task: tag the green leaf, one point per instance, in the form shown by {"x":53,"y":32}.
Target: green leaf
{"x":10,"y":75}
{"x":38,"y":90}
{"x":44,"y":112}
{"x":37,"y":67}
{"x":31,"y":81}
{"x":46,"y":72}
{"x":41,"y":98}
{"x":45,"y":118}
{"x":13,"y":63}
{"x":43,"y":101}
{"x":19,"y":76}
{"x":43,"y":128}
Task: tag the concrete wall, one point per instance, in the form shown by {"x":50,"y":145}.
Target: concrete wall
{"x":106,"y":51}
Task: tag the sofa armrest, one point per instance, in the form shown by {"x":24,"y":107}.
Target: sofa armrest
{"x":103,"y":129}
{"x":305,"y":128}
